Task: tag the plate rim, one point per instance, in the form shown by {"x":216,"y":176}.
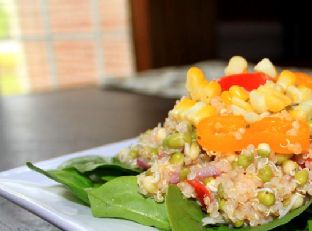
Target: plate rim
{"x":37,"y":209}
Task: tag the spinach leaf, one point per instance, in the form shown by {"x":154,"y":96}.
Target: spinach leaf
{"x":271,"y":225}
{"x":120,"y":198}
{"x":184,"y":214}
{"x":108,"y":178}
{"x":90,"y":163}
{"x":187,"y":215}
{"x":72,"y":179}
{"x":310,"y":225}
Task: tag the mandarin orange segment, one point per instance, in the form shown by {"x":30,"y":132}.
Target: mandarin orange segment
{"x":222,"y":133}
{"x":284,"y":136}
{"x":303,"y":79}
{"x":227,"y":134}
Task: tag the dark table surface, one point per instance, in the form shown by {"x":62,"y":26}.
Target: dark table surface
{"x":41,"y":126}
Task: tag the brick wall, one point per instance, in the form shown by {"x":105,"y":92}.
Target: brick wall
{"x":75,"y":42}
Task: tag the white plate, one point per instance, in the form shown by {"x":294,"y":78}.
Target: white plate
{"x":48,"y":199}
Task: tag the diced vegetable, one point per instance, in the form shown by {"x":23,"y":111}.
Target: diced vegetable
{"x":244,"y":160}
{"x":264,"y":150}
{"x":265,"y":173}
{"x":249,"y":81}
{"x":200,"y":190}
{"x":183,"y":173}
{"x":289,"y":167}
{"x":302,"y":177}
{"x":266,"y":198}
{"x":176,"y":158}
{"x":177,"y":140}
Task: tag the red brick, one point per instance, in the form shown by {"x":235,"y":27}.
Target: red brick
{"x":70,"y":16}
{"x":114,"y":15}
{"x":76,"y":62}
{"x":118,"y":56}
{"x":37,"y":65}
{"x":30,"y":17}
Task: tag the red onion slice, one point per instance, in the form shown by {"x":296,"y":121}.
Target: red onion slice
{"x":142,"y":163}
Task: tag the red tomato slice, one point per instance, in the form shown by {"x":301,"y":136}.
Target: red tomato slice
{"x":249,"y":81}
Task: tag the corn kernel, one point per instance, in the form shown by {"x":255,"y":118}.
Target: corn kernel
{"x":209,"y":90}
{"x":239,"y":92}
{"x":250,"y":117}
{"x":195,"y":79}
{"x":149,"y":185}
{"x":274,"y":103}
{"x":241,"y":103}
{"x":194,"y":151}
{"x":226,"y":97}
{"x":302,"y":111}
{"x":306,"y":93}
{"x":184,"y":104}
{"x":199,"y":88}
{"x":237,"y":65}
{"x":257,"y":101}
{"x":265,"y":66}
{"x":286,"y":79}
{"x":203,"y":113}
{"x":191,"y":112}
{"x":299,"y":94}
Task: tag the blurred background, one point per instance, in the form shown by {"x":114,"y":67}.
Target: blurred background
{"x":55,"y":44}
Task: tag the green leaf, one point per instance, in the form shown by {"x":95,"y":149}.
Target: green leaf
{"x":120,"y":198}
{"x":72,"y":179}
{"x":108,"y":178}
{"x":184,"y":214}
{"x":90,"y":163}
{"x":271,"y":225}
{"x":310,"y":225}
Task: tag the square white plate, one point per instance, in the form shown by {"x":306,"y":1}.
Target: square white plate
{"x":49,"y":200}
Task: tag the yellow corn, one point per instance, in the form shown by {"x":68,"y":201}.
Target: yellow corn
{"x":241,"y":103}
{"x":269,"y":98}
{"x":237,"y":65}
{"x":249,"y":116}
{"x":195,"y":80}
{"x":265,"y":66}
{"x":203,"y":113}
{"x":199,"y":88}
{"x":276,"y":101}
{"x":239,"y":92}
{"x":257,"y":101}
{"x":286,"y":79}
{"x":210,"y":90}
{"x":194,"y":112}
{"x":149,"y":185}
{"x":183,"y":105}
{"x":191,"y":112}
{"x":299,"y":94}
{"x":306,"y":93}
{"x":226,"y":97}
{"x":302,"y":111}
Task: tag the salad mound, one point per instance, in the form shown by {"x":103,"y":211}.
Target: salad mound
{"x":234,"y":153}
{"x":239,"y":145}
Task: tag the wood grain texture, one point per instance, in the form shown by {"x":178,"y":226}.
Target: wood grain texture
{"x":41,"y":126}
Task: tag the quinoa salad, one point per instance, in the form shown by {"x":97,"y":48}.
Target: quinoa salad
{"x":238,"y":145}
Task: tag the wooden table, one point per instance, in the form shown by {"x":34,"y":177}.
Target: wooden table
{"x":41,"y":126}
